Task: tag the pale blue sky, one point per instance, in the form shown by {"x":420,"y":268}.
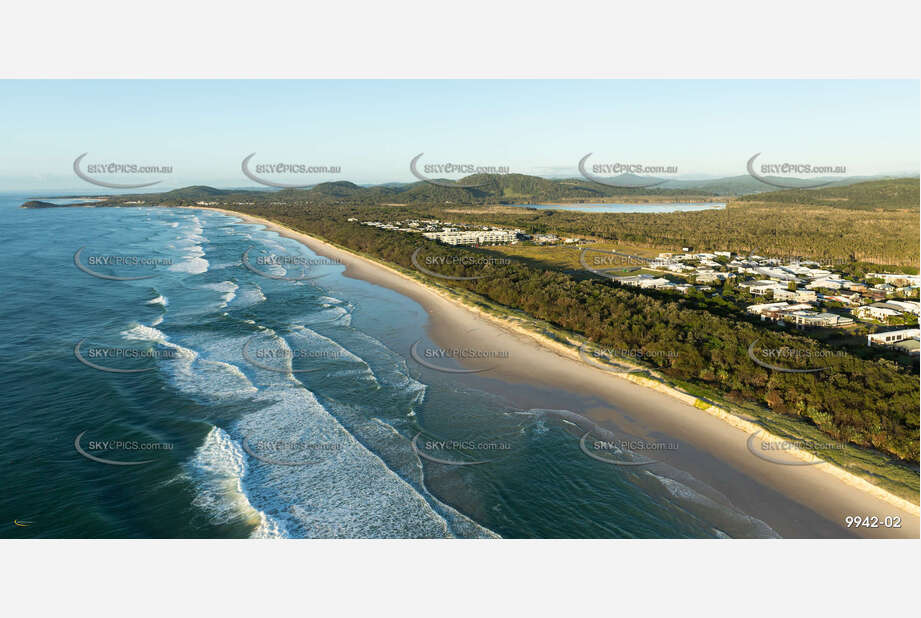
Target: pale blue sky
{"x":373,"y":128}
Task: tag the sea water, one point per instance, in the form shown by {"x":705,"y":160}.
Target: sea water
{"x":271,"y":398}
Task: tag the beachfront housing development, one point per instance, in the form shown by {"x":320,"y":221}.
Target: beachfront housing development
{"x":802,"y":291}
{"x":474,"y":235}
{"x":801,"y":314}
{"x":798,"y":292}
{"x":451,"y":233}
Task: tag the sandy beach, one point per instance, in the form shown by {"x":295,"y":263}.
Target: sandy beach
{"x":795,"y":500}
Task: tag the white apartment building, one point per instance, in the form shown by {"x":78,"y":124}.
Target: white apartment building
{"x":853,"y":299}
{"x":766,"y":307}
{"x":829,"y":283}
{"x":474,"y":237}
{"x":812,"y":318}
{"x":645,"y":282}
{"x":800,"y":296}
{"x":876,"y":311}
{"x":762,"y":287}
{"x":908,"y":306}
{"x":709,"y":276}
{"x":778,"y":272}
{"x":893,"y":336}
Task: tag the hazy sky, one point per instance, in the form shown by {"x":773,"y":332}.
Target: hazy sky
{"x":203,"y":129}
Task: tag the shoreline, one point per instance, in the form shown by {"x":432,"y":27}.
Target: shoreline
{"x":824,"y":488}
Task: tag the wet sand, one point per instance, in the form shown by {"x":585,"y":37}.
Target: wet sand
{"x":797,"y":501}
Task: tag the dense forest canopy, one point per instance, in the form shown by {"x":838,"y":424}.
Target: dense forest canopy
{"x":891,"y":194}
{"x":872,"y":403}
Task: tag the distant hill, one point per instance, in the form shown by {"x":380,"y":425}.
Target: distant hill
{"x":525,"y":189}
{"x":745,"y":184}
{"x":39,"y":204}
{"x":476,"y":189}
{"x":200,"y":192}
{"x":888,"y":194}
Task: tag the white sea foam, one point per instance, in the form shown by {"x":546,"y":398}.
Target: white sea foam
{"x":193,"y":266}
{"x":334,"y":311}
{"x":193,"y":261}
{"x":202,"y":378}
{"x":159,"y":300}
{"x":348,"y":491}
{"x":249,"y":294}
{"x":306,"y":340}
{"x":217,"y":468}
{"x":228,"y":290}
{"x":222,"y":265}
{"x":219,"y":465}
{"x":276,"y":270}
{"x":212,"y":380}
{"x":389,"y":369}
{"x":140,"y":332}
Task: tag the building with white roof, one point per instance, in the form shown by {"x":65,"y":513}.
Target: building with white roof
{"x":905,"y":339}
{"x":912,"y":280}
{"x":813,"y":318}
{"x":474,"y":237}
{"x":877,"y":311}
{"x":908,"y":306}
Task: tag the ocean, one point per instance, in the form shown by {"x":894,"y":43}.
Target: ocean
{"x":179,"y":373}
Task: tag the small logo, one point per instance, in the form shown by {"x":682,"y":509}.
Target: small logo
{"x":456,"y":354}
{"x":79,"y":355}
{"x":447,"y":169}
{"x":113,"y":445}
{"x":600,"y":445}
{"x":277,"y":260}
{"x":589,"y":359}
{"x":285,"y":168}
{"x":788,"y":353}
{"x":601,"y":260}
{"x":448,"y":446}
{"x":285,"y":446}
{"x":466,"y":261}
{"x":114,"y":260}
{"x":117,"y":168}
{"x":793,"y":168}
{"x":619,"y":168}
{"x":132,"y":356}
{"x":783,"y":446}
{"x":281,"y":354}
